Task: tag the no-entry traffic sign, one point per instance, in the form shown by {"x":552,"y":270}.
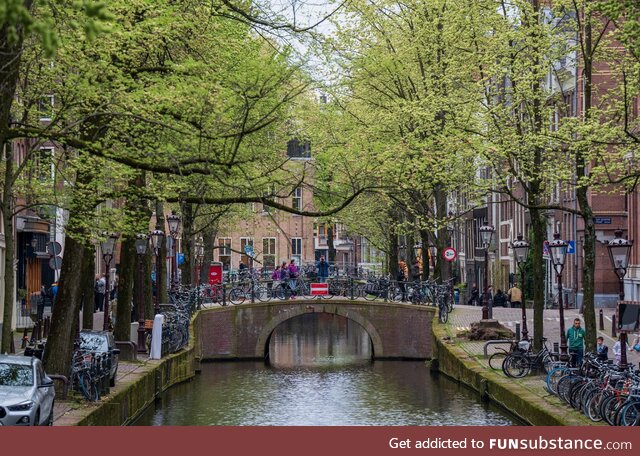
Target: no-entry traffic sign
{"x":319,"y":289}
{"x":449,"y":254}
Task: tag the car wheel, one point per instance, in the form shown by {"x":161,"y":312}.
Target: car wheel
{"x":50,"y":419}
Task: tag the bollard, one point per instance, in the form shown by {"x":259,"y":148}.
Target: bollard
{"x":39,"y":330}
{"x":25,"y":338}
{"x":224,"y":294}
{"x":253,"y":292}
{"x":601,"y":320}
{"x":517,"y":331}
{"x":47,"y":323}
{"x":33,"y":339}
{"x":613,"y":326}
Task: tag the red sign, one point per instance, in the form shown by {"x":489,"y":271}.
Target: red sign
{"x":319,"y":289}
{"x":449,"y":254}
{"x":215,"y":273}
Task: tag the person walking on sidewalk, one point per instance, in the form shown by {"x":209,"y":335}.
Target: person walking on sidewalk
{"x":515,"y":296}
{"x":323,"y":270}
{"x":575,"y":339}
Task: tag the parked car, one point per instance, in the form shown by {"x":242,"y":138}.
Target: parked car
{"x":101,"y":342}
{"x":27,"y":395}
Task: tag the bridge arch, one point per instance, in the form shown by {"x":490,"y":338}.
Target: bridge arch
{"x":262,"y":344}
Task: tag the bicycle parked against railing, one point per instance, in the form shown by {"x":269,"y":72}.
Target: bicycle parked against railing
{"x":519,"y":363}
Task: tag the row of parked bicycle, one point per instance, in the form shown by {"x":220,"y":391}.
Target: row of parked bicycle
{"x":600,"y":389}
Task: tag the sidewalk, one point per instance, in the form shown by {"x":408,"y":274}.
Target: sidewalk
{"x":531,"y":388}
{"x":462,"y":317}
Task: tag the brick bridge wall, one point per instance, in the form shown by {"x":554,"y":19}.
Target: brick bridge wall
{"x":400,"y":331}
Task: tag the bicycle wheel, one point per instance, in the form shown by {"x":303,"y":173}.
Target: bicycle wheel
{"x":554,"y":376}
{"x":86,"y":388}
{"x":443,"y":313}
{"x":236,"y":296}
{"x":516,"y":365}
{"x":496,"y":360}
{"x":629,"y":414}
{"x":370,"y":293}
{"x":262,"y":294}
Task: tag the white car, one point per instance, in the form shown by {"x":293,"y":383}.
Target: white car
{"x":27,"y":395}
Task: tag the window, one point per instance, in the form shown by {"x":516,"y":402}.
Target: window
{"x":45,"y":107}
{"x":224,"y":253}
{"x":245,"y":258}
{"x":297,"y":199}
{"x":269,"y":253}
{"x":296,"y":250}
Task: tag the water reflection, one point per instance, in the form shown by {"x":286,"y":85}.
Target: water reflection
{"x":319,"y":339}
{"x":321,"y":375}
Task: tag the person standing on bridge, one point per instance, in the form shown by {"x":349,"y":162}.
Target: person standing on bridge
{"x":323,"y":270}
{"x":515,"y":296}
{"x":293,"y":278}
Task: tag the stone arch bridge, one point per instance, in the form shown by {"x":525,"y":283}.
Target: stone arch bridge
{"x":397,"y":331}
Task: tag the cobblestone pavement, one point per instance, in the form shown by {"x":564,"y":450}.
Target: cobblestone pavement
{"x":462,"y":317}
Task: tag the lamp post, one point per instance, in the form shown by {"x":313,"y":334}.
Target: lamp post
{"x":486,"y":233}
{"x":157,"y":236}
{"x":173,"y":221}
{"x":142,"y":242}
{"x":520,"y":253}
{"x":199,"y":251}
{"x":558,"y":248}
{"x":108,"y":247}
{"x":619,"y":250}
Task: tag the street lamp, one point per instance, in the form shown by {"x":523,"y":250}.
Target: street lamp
{"x":486,"y":233}
{"x":619,"y":250}
{"x":157,"y":236}
{"x":558,"y":249}
{"x":173,"y":221}
{"x":199,"y":251}
{"x":108,"y":247}
{"x":142,"y":242}
{"x":520,"y":253}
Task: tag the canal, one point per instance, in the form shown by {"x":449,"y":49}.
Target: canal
{"x":320,"y":374}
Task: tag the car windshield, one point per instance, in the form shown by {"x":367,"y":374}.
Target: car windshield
{"x":93,"y":342}
{"x":15,"y":375}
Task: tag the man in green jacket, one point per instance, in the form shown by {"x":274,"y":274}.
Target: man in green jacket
{"x":575,"y":339}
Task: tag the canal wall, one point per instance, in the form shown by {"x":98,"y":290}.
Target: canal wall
{"x":138,"y":389}
{"x":453,"y":361}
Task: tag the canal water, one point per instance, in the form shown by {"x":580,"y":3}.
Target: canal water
{"x":321,"y":374}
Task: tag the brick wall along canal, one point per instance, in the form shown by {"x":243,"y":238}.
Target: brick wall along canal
{"x":320,"y":374}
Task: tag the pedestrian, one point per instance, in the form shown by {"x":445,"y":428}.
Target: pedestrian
{"x":515,"y":296}
{"x":99,"y":289}
{"x":54,"y":293}
{"x":500,"y":299}
{"x":636,"y":344}
{"x":617,"y":352}
{"x":475,"y":295}
{"x":293,"y":278}
{"x":323,"y":269}
{"x":415,"y":271}
{"x":601,"y":349}
{"x":575,"y":338}
{"x":283,"y":276}
{"x":401,"y":279}
{"x":242,"y":270}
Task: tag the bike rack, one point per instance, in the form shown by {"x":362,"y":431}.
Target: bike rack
{"x":495,"y":342}
{"x":65,"y":383}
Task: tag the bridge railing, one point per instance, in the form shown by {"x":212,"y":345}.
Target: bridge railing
{"x":369,"y":289}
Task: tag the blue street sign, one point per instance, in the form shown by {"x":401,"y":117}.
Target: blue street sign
{"x":248,"y":250}
{"x":571,"y":247}
{"x":179,"y":258}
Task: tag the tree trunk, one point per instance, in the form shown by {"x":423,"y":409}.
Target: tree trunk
{"x":87,"y":286}
{"x":538,"y":228}
{"x":9,"y":271}
{"x":443,"y":267}
{"x":122,"y":330}
{"x":161,"y":275}
{"x":188,"y":266}
{"x":331,"y":248}
{"x":424,"y":240}
{"x":58,"y":356}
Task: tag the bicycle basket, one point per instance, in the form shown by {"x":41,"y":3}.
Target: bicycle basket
{"x":524,"y":345}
